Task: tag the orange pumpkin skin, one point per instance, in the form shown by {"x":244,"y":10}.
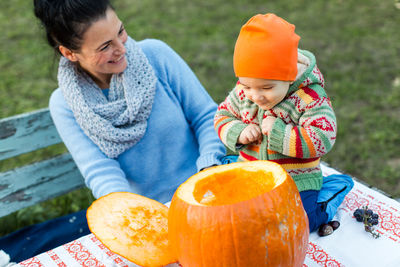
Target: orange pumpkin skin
{"x":267,"y":229}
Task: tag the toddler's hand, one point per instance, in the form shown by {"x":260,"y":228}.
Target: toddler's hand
{"x":266,"y":125}
{"x":250,"y":134}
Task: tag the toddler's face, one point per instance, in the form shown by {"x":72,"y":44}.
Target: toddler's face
{"x":265,"y":93}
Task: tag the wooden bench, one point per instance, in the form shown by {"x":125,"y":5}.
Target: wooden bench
{"x":40,"y":181}
{"x":30,"y":184}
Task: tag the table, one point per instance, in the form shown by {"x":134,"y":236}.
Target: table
{"x":348,"y":246}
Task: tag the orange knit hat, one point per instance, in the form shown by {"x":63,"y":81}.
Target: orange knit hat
{"x":266,"y":48}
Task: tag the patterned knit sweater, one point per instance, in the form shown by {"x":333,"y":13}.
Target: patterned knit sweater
{"x":305,"y":128}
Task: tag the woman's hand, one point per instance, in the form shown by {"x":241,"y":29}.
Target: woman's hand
{"x":250,"y":134}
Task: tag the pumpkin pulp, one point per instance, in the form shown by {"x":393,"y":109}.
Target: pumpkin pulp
{"x":222,"y":188}
{"x":224,"y":185}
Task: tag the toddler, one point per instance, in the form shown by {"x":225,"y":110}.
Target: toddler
{"x":279,"y":110}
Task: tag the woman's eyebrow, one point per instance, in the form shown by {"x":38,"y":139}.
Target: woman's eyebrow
{"x":107,"y":42}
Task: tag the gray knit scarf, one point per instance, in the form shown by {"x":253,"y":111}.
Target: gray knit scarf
{"x":119,"y":122}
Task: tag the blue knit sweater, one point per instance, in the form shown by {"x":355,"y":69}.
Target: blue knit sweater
{"x":179,"y":140}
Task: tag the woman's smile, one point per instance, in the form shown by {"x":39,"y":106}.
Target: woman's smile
{"x":118,"y":60}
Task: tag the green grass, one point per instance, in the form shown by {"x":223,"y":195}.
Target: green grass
{"x":356,"y":44}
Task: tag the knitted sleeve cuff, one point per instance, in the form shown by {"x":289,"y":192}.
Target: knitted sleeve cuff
{"x":207,"y":160}
{"x":233,"y":135}
{"x":276,"y":137}
{"x":112,"y":187}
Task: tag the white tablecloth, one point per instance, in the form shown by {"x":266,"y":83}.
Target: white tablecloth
{"x":348,"y":246}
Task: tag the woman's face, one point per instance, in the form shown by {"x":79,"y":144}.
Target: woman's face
{"x":103,"y":52}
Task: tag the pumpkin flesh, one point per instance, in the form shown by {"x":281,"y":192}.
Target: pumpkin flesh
{"x":240,"y":214}
{"x":132,"y":226}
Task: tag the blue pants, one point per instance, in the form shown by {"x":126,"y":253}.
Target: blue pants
{"x":38,"y":238}
{"x":315,"y":211}
{"x":322,"y":205}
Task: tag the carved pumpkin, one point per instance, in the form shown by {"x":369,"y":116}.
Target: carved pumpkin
{"x":240,"y":214}
{"x":132,"y":226}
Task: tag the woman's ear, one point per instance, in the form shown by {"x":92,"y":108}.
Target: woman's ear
{"x":67,"y":53}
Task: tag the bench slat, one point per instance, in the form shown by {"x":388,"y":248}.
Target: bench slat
{"x":27,"y":132}
{"x":28,"y":185}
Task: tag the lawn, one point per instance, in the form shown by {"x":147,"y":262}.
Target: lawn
{"x":356,"y":43}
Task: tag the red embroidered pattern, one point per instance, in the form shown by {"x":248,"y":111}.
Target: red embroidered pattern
{"x":323,"y":124}
{"x":248,"y":118}
{"x":241,"y":94}
{"x":302,"y":171}
{"x":32,"y":262}
{"x":318,"y":103}
{"x":297,"y":102}
{"x":319,"y":147}
{"x":109,"y":253}
{"x":56,"y":259}
{"x":231,"y":109}
{"x":81,"y":254}
{"x":389,"y":217}
{"x":318,"y":74}
{"x":222,"y":106}
{"x":319,"y":256}
{"x":305,"y":83}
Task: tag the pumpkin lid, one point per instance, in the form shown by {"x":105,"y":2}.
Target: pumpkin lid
{"x":231,"y":183}
{"x":132,"y":226}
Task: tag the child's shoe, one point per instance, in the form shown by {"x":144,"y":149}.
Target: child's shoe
{"x":335,"y":224}
{"x":334,"y":188}
{"x":325,"y":230}
{"x":328,"y":228}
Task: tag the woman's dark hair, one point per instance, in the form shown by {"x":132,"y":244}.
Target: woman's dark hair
{"x":65,"y":21}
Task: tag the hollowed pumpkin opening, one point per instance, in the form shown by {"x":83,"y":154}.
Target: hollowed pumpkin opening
{"x":231,"y":184}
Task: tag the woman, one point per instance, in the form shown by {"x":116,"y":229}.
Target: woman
{"x":132,"y":114}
